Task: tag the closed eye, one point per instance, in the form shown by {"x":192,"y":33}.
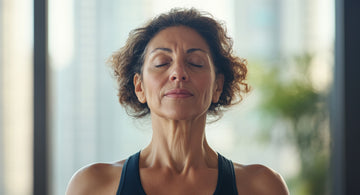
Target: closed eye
{"x":161,"y":65}
{"x":196,"y":65}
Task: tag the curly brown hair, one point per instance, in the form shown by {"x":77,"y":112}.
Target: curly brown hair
{"x":129,"y":59}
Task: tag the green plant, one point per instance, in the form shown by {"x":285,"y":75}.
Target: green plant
{"x":289,"y":97}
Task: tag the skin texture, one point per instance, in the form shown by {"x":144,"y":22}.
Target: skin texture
{"x":178,"y":82}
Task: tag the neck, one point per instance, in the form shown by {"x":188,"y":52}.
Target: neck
{"x":179,"y":145}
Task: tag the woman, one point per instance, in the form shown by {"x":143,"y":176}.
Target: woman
{"x":178,"y":69}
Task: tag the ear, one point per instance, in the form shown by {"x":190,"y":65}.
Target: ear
{"x":218,"y":88}
{"x":139,"y":88}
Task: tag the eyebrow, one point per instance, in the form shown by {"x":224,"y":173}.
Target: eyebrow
{"x":191,"y":50}
{"x":196,"y":49}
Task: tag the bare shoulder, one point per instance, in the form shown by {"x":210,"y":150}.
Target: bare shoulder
{"x":259,"y":179}
{"x":98,"y":178}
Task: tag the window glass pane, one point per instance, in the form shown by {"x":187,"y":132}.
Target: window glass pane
{"x":16,"y":91}
{"x":288,"y":45}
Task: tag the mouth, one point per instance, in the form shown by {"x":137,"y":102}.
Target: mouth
{"x":178,"y":93}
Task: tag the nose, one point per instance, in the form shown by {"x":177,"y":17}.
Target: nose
{"x":179,"y":73}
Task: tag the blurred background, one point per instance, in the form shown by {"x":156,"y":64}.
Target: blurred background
{"x":283,"y":123}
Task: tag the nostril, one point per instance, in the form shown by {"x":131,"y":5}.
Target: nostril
{"x":177,"y":77}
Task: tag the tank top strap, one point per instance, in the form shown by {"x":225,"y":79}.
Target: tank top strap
{"x":130,"y":183}
{"x":226,"y":177}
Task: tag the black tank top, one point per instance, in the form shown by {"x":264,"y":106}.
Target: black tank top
{"x":130,"y":183}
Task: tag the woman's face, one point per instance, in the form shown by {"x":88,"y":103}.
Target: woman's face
{"x":178,"y":80}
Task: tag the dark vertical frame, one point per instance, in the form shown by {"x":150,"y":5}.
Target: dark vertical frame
{"x":40,"y":98}
{"x":352,"y":94}
{"x":346,"y":100}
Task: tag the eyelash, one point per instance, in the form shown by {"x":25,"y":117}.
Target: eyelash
{"x":196,"y":65}
{"x":161,"y":65}
{"x":192,"y":64}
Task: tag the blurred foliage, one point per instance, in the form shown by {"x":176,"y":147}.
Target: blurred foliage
{"x":288,"y":96}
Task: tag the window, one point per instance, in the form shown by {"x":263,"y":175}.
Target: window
{"x":88,"y":125}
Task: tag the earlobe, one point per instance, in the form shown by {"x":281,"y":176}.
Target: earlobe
{"x":139,"y":89}
{"x":219,"y":84}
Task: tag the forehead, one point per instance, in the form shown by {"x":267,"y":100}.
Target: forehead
{"x":178,"y":37}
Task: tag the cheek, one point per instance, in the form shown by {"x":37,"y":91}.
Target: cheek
{"x":206,"y":86}
{"x":152,"y":87}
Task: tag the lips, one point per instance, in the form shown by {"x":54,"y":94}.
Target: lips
{"x":178,"y":93}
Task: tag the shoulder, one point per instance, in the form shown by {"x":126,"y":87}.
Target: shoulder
{"x":98,"y":178}
{"x":259,"y":179}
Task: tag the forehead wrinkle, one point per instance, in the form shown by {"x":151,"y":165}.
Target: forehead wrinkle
{"x":161,"y":49}
{"x":191,"y":50}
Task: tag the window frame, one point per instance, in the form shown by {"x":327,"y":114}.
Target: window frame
{"x":40,"y":159}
